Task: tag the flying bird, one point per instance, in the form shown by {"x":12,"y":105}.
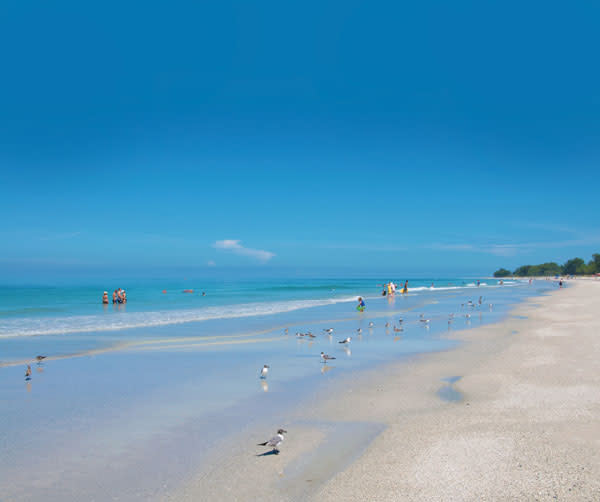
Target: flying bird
{"x":275,"y":441}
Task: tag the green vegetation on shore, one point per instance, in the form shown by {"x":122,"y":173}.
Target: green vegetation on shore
{"x":574,"y":266}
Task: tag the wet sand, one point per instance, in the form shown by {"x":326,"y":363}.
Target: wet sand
{"x":513,"y":413}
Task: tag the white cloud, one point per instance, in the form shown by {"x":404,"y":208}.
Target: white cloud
{"x":234,"y":246}
{"x":516,"y":248}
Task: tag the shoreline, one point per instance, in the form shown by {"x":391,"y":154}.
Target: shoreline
{"x":507,"y":436}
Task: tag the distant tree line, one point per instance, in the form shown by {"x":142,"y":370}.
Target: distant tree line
{"x":574,"y":266}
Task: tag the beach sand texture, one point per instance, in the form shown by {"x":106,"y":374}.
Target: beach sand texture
{"x":511,"y":414}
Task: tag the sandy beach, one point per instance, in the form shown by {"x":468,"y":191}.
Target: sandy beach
{"x":511,"y":414}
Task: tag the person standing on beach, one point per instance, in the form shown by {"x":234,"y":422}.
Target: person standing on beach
{"x":405,"y":289}
{"x":105,"y":298}
{"x":115,"y":298}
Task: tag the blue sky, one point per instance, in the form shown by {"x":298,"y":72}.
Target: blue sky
{"x":417,"y":137}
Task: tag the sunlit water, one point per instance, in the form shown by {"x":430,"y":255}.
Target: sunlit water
{"x":186,"y":376}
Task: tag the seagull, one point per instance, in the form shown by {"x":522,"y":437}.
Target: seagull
{"x":40,"y":358}
{"x":28,"y":372}
{"x":326,"y":357}
{"x":387,"y":324}
{"x":346,"y":340}
{"x":275,"y":441}
{"x":328,"y":330}
{"x":359,"y":331}
{"x":371,"y":324}
{"x":426,"y":321}
{"x":401,"y":320}
{"x":264,"y":371}
{"x":299,"y":335}
{"x":311,"y":335}
{"x":490,"y":306}
{"x":286,"y":330}
{"x":397,"y":329}
{"x":468,"y":316}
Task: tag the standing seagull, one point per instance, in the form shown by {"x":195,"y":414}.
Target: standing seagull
{"x":359,"y":331}
{"x":275,"y":441}
{"x":346,"y":340}
{"x":371,"y":324}
{"x":28,"y":373}
{"x":325,"y":357}
{"x":328,"y":330}
{"x":40,"y":358}
{"x":264,"y":371}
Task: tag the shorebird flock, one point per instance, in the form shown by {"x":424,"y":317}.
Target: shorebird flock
{"x":397,"y":326}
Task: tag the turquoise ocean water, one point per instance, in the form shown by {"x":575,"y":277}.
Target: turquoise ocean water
{"x":171,"y":375}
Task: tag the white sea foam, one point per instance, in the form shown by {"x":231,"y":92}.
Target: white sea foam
{"x":128,"y":320}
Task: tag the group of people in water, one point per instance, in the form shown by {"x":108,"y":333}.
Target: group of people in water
{"x":118,"y":296}
{"x":390,"y":288}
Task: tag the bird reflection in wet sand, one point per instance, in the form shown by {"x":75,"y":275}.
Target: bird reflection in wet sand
{"x":347,"y":351}
{"x":264,"y":385}
{"x":28,"y":386}
{"x":397,"y":338}
{"x":325,"y":368}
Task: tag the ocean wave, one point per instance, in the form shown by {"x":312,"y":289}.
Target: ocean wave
{"x":130,"y":320}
